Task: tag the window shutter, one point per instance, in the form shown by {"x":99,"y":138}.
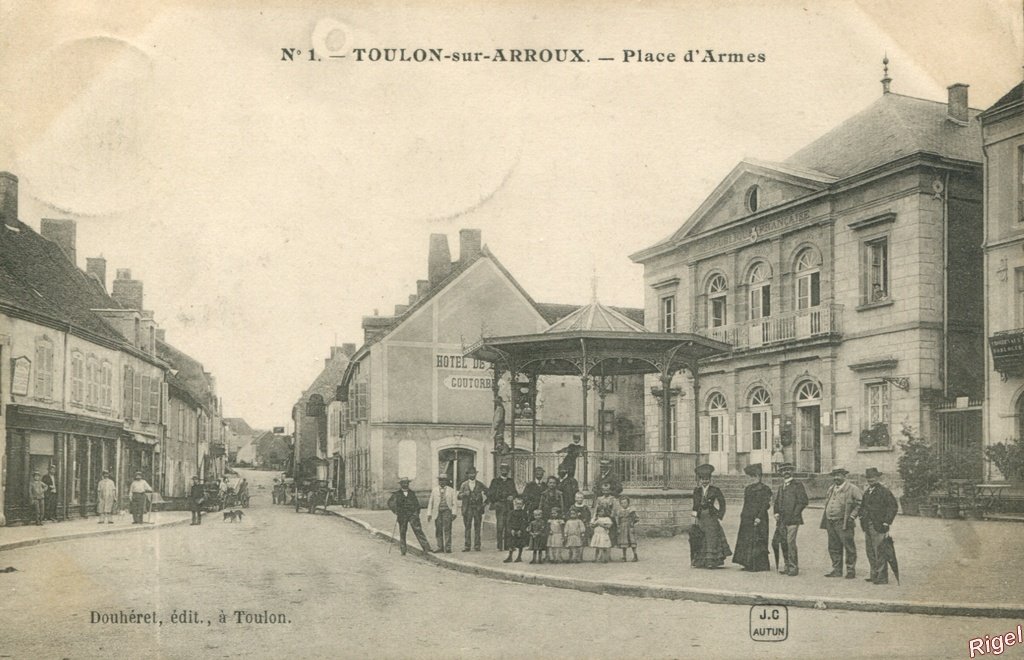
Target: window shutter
{"x":154,"y":400}
{"x":742,"y":431}
{"x":705,"y":433}
{"x":137,"y":396}
{"x":145,"y":399}
{"x":815,"y":289}
{"x":769,"y":436}
{"x":163,"y":402}
{"x":865,"y":273}
{"x":127,"y":392}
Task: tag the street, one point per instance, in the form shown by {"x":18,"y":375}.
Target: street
{"x":338,"y":592}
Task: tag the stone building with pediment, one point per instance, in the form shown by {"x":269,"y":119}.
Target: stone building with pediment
{"x":848,"y":280}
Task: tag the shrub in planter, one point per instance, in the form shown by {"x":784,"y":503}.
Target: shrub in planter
{"x":929,"y":510}
{"x":917,"y":467}
{"x":1008,"y":457}
{"x":876,"y":436}
{"x":910,"y":506}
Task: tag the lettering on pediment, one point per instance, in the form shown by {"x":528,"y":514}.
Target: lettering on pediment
{"x":750,"y":234}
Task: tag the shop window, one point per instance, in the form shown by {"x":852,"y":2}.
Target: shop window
{"x":877,"y":410}
{"x":44,"y":368}
{"x":875,"y":270}
{"x":668,"y":314}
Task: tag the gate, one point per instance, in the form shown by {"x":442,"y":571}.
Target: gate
{"x":958,"y":438}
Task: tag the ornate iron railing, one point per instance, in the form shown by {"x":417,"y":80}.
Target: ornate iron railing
{"x":820,"y":321}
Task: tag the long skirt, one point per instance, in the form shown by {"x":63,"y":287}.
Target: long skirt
{"x":752,"y":546}
{"x":716,"y":546}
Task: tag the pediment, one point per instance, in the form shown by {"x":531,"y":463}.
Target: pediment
{"x":773,"y":184}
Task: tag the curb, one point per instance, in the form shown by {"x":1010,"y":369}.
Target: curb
{"x":27,"y":543}
{"x":720,"y":597}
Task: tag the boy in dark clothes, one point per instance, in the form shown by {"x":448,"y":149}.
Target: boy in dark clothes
{"x":538,"y":530}
{"x":518,"y":524}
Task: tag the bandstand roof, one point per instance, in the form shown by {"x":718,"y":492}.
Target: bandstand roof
{"x":594,"y":341}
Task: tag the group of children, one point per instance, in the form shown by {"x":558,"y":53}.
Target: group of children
{"x":561,"y":539}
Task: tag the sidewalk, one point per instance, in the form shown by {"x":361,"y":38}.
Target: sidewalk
{"x":949,"y":567}
{"x":21,"y":536}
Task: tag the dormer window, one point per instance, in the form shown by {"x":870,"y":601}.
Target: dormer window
{"x":753,"y":193}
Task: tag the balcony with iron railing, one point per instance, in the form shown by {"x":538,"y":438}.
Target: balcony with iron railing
{"x":635,"y":469}
{"x":823,"y":321}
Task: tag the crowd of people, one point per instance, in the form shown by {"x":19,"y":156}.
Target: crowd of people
{"x":845,"y":503}
{"x":552,"y":519}
{"x":550,"y":516}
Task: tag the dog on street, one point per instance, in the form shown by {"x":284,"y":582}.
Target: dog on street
{"x":233,"y":516}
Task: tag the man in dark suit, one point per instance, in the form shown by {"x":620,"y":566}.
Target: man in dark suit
{"x":472,"y":494}
{"x":533,"y":490}
{"x":50,"y":479}
{"x":608,"y":476}
{"x":877,"y":511}
{"x":196,"y":497}
{"x":789,"y":504}
{"x":569,"y":487}
{"x":500,"y":496}
{"x":406,"y":507}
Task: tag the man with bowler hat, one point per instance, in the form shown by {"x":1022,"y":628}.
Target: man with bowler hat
{"x":196,"y":497}
{"x":500,"y":496}
{"x":842,"y":504}
{"x":608,"y":476}
{"x":50,"y":479}
{"x":441,"y":509}
{"x":877,"y":511}
{"x":533,"y":490}
{"x":790,"y":501}
{"x":472,"y":494}
{"x":406,"y":507}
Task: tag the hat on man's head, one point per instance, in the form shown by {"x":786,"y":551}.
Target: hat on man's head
{"x":786,"y":467}
{"x":872,"y":472}
{"x":442,"y":476}
{"x":606,"y":461}
{"x":196,"y":478}
{"x":503,"y":467}
{"x":470,"y":471}
{"x":753,"y":470}
{"x":704,"y":471}
{"x":403,"y":480}
{"x":839,"y":470}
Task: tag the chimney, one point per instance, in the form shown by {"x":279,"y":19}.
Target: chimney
{"x":97,"y":267}
{"x":439,"y":259}
{"x":61,"y":232}
{"x":375,"y":326}
{"x":422,"y":287}
{"x":161,"y":335}
{"x":8,"y":199}
{"x":401,"y":309}
{"x":958,"y":111}
{"x":126,"y":291}
{"x":348,"y":349}
{"x":412,"y":299}
{"x":469,"y":244}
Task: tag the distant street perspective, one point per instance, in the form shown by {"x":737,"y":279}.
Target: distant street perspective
{"x":337,"y":592}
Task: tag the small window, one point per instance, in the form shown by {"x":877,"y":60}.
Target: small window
{"x":876,"y":270}
{"x":876,"y":429}
{"x":753,"y":193}
{"x":668,"y":314}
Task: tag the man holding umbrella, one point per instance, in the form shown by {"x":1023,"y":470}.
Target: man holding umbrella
{"x":790,"y":500}
{"x":877,"y":511}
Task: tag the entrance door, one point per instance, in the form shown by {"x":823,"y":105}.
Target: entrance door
{"x":455,"y":463}
{"x":718,"y":444}
{"x":810,"y":436}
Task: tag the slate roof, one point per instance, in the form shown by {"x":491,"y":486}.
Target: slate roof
{"x":187,"y":374}
{"x":1015,"y":95}
{"x":596,"y":316}
{"x":37,"y":277}
{"x":239,"y":426}
{"x":892,"y":127}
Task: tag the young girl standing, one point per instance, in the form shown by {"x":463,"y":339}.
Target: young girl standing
{"x":575,"y":530}
{"x":626,"y":525}
{"x":601,"y":541}
{"x":538,"y":537}
{"x":556,"y":536}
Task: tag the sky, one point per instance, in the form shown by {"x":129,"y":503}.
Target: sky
{"x":268,"y":205}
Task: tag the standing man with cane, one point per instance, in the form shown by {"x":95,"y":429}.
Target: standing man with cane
{"x":500,"y":495}
{"x":473,"y":494}
{"x":406,"y":507}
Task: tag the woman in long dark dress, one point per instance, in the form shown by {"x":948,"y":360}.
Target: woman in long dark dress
{"x":752,"y":540}
{"x":708,"y":511}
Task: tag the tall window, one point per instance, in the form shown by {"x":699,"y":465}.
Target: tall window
{"x":718,"y":293}
{"x":717,"y":412}
{"x":808,"y":280}
{"x":1018,"y":276}
{"x":127,"y":390}
{"x":876,"y":269}
{"x":1020,"y":184}
{"x":92,"y":380}
{"x":106,"y":398}
{"x":44,"y":368}
{"x":760,"y":419}
{"x":760,"y":292}
{"x":673,"y":428}
{"x":877,"y":406}
{"x":77,"y":377}
{"x":668,"y":314}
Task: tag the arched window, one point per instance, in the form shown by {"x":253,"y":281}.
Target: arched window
{"x":807,"y":392}
{"x":717,"y":411}
{"x":808,"y":279}
{"x":759,"y":282}
{"x":718,"y":295}
{"x":760,"y":419}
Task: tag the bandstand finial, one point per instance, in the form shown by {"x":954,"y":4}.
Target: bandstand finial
{"x":885,"y":74}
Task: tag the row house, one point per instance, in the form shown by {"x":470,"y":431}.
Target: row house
{"x":848,"y":281}
{"x":80,"y":383}
{"x":412,"y":405}
{"x":316,"y":453}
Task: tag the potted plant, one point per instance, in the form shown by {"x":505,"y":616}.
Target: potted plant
{"x":876,"y":436}
{"x":919,"y":471}
{"x":1008,"y":457}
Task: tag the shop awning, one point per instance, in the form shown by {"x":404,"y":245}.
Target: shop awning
{"x":55,"y":421}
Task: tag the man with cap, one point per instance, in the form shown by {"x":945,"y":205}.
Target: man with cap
{"x":790,"y":501}
{"x":607,"y":476}
{"x":842,"y":504}
{"x":406,"y":507}
{"x":500,"y":495}
{"x":441,"y":509}
{"x":196,"y":497}
{"x":472,"y":494}
{"x":708,"y":512}
{"x":877,"y":511}
{"x":532,"y":490}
